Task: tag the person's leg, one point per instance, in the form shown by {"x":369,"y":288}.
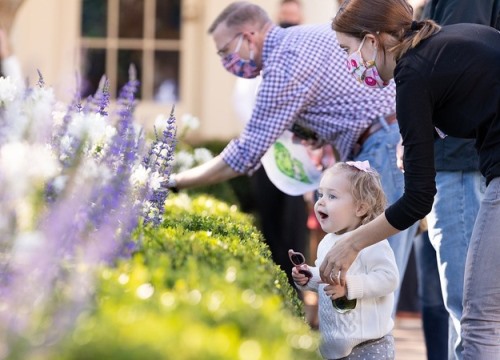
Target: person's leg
{"x":269,"y":202}
{"x":434,"y":314}
{"x":294,"y":233}
{"x":481,"y":306}
{"x":282,"y":219}
{"x":409,"y":303}
{"x":450,"y":228}
{"x":380,"y":150}
{"x":453,"y":340}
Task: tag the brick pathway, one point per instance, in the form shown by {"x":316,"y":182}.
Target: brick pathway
{"x":409,"y":339}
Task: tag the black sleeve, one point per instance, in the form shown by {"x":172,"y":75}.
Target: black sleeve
{"x":447,"y":12}
{"x":496,"y":15}
{"x":414,"y":106}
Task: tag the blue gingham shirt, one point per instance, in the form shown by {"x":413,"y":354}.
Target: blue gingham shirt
{"x":305,"y":81}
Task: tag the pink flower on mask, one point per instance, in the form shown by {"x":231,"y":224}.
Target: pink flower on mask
{"x":370,"y":81}
{"x":365,"y":72}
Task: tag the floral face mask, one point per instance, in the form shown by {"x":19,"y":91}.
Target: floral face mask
{"x":233,"y":63}
{"x":365,"y":72}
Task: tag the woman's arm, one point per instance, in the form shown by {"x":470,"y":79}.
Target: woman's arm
{"x":341,"y":256}
{"x":414,"y":102}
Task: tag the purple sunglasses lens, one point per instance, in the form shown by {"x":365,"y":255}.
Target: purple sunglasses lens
{"x":297,"y":259}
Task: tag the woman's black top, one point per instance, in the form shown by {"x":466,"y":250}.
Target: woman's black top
{"x":450,"y":81}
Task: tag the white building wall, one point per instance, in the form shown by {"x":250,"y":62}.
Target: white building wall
{"x":45,"y":36}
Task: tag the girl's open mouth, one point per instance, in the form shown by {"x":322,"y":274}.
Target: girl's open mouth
{"x":322,"y":215}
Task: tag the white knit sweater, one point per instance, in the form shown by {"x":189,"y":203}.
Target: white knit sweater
{"x":371,"y":279}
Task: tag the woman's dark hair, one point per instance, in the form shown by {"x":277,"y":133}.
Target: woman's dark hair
{"x":394,"y":17}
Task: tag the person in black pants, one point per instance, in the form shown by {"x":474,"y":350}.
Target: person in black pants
{"x":282,"y":218}
{"x":458,"y":183}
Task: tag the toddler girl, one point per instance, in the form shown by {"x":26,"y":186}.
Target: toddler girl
{"x":354,"y":320}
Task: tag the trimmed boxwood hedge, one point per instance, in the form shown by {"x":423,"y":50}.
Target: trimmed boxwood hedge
{"x":203,"y":286}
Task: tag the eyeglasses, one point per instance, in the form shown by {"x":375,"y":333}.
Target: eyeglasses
{"x":341,"y":305}
{"x":222,"y":52}
{"x":298,"y":259}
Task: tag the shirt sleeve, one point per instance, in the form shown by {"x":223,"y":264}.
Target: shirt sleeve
{"x":457,"y":11}
{"x":381,"y":277}
{"x":281,"y":97}
{"x":414,"y":107}
{"x":313,"y":283}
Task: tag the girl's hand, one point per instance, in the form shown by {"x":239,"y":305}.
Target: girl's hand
{"x":335,"y":291}
{"x":300,"y":279}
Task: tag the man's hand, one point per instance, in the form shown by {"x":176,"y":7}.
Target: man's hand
{"x":309,"y":143}
{"x":341,"y":255}
{"x":337,"y":261}
{"x":313,"y":144}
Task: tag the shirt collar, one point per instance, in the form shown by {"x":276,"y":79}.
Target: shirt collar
{"x":273,"y":39}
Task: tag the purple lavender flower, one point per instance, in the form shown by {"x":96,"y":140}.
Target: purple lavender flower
{"x":98,"y":102}
{"x":41,"y":81}
{"x":159,"y":159}
{"x":103,"y":97}
{"x":48,"y":270}
{"x":120,"y":159}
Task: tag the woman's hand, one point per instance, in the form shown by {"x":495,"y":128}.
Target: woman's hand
{"x":337,"y":261}
{"x":341,"y":256}
{"x":298,"y":278}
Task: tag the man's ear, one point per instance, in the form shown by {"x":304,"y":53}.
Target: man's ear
{"x":361,"y":209}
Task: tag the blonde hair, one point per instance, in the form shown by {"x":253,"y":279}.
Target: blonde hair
{"x":394,"y":17}
{"x":365,"y":188}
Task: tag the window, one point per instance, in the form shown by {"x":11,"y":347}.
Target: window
{"x":116,"y":33}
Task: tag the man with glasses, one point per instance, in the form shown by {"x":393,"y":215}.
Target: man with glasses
{"x":281,"y":217}
{"x":305,"y":87}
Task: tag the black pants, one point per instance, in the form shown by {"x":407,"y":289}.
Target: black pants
{"x":282,"y":218}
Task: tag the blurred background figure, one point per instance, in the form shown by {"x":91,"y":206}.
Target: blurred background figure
{"x":290,"y":13}
{"x":282,"y":218}
{"x":9,"y":64}
{"x":287,"y":222}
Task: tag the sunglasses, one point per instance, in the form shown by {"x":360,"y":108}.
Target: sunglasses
{"x":341,"y":305}
{"x":298,"y":259}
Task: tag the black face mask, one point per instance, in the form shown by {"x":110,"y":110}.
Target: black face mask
{"x":285,"y":24}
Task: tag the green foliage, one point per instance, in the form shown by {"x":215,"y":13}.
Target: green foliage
{"x":203,"y":286}
{"x":234,"y":191}
{"x":222,"y":191}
